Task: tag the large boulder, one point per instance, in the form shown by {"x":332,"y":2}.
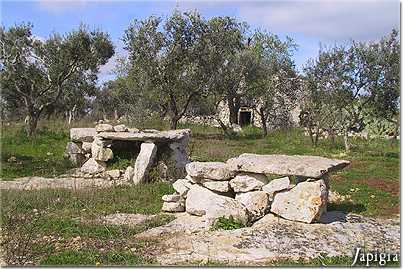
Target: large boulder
{"x":245,"y":182}
{"x":93,"y":167}
{"x":305,"y":202}
{"x":210,"y":170}
{"x":203,"y":202}
{"x":82,"y":134}
{"x":104,"y":127}
{"x":256,"y":202}
{"x":144,"y":162}
{"x":305,"y":166}
{"x":182,"y":186}
{"x":179,"y":154}
{"x":276,"y":185}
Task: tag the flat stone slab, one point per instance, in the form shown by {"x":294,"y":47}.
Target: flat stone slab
{"x":171,"y":135}
{"x":297,"y":165}
{"x":37,"y":183}
{"x":82,"y":134}
{"x":273,"y":239}
{"x":125,"y":219}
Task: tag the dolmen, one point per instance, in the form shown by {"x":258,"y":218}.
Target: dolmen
{"x":91,"y":149}
{"x":249,"y":186}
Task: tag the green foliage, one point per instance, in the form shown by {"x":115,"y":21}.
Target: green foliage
{"x":39,"y":76}
{"x":345,"y":83}
{"x":223,"y":223}
{"x":33,"y":156}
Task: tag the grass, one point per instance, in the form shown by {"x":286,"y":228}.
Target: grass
{"x":27,"y":217}
{"x":94,"y":258}
{"x":224,"y":223}
{"x":372,"y":182}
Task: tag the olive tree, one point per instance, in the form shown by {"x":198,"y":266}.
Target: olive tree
{"x":168,"y":61}
{"x":274,"y":89}
{"x":344,"y":83}
{"x":38,"y":72}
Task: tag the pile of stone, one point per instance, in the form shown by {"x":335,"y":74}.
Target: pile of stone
{"x":242,"y":188}
{"x":91,"y":148}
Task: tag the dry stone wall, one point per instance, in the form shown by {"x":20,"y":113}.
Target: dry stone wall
{"x":240,"y":188}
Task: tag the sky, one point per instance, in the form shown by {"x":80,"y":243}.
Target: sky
{"x":310,"y":23}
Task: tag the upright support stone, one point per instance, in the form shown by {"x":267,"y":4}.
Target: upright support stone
{"x":143,"y":162}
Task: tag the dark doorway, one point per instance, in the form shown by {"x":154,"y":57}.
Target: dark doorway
{"x":245,"y":118}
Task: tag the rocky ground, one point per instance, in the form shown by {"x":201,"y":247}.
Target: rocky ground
{"x":187,"y":240}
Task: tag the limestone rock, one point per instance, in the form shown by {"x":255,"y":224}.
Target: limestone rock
{"x":276,"y":185}
{"x":82,"y":134}
{"x":129,"y":173}
{"x":93,"y":167}
{"x":77,"y":159}
{"x":173,"y":207}
{"x":104,"y":127}
{"x":256,"y":202}
{"x":73,"y":148}
{"x":182,"y":186}
{"x":103,"y":154}
{"x":245,"y":182}
{"x":171,"y":198}
{"x":114,"y":174}
{"x":210,"y":170}
{"x":305,"y":202}
{"x":143,"y":162}
{"x":160,"y":136}
{"x":203,"y":202}
{"x":306,"y":166}
{"x":86,"y":147}
{"x":120,"y":128}
{"x":219,"y":186}
{"x":162,"y":171}
{"x":179,"y":154}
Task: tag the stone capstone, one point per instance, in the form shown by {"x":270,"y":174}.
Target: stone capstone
{"x":104,"y":127}
{"x":256,"y":202}
{"x":144,"y":162}
{"x":245,"y":182}
{"x":203,"y":202}
{"x":159,"y":136}
{"x":306,"y":166}
{"x":93,"y":167}
{"x":82,"y":134}
{"x":276,"y":185}
{"x":305,"y":202}
{"x":210,"y":170}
